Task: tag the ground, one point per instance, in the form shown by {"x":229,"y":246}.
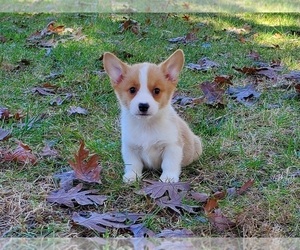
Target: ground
{"x":259,"y":141}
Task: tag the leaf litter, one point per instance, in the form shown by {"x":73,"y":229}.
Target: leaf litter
{"x":246,"y":95}
{"x":87,"y":197}
{"x":85,"y":166}
{"x":99,"y":222}
{"x":4,"y":134}
{"x":168,"y":195}
{"x":204,"y":64}
{"x":22,"y":154}
{"x":73,"y":110}
{"x":51,"y":35}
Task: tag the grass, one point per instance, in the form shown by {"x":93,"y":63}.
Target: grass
{"x":259,"y":142}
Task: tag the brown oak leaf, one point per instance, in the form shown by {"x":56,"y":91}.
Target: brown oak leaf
{"x":86,"y":167}
{"x":99,"y":222}
{"x":21,"y":154}
{"x":157,"y":189}
{"x":66,"y":198}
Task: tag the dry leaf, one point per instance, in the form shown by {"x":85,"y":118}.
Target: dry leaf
{"x":99,"y":222}
{"x":140,"y":230}
{"x":214,"y":93}
{"x":245,"y":187}
{"x":253,"y":55}
{"x":21,"y":154}
{"x":47,"y":151}
{"x":77,"y":110}
{"x":4,"y":134}
{"x":204,"y":64}
{"x":87,"y":197}
{"x":86,"y":167}
{"x":218,"y":220}
{"x":293,"y":75}
{"x":188,"y":38}
{"x":223,"y":80}
{"x":246,"y":95}
{"x":201,"y":197}
{"x":157,"y":189}
{"x":4,"y":113}
{"x":45,"y":89}
{"x":177,"y":233}
{"x":211,"y":204}
{"x":174,"y":204}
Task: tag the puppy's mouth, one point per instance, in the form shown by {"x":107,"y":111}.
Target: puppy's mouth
{"x":143,"y":115}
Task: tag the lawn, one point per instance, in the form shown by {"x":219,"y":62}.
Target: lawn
{"x":253,"y":138}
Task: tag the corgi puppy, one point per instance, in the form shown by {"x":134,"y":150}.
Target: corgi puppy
{"x":153,"y":134}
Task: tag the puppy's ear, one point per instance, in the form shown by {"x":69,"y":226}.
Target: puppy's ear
{"x":114,"y":67}
{"x":173,"y":65}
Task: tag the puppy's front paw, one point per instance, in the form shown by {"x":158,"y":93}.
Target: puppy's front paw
{"x":169,"y":178}
{"x":130,"y":177}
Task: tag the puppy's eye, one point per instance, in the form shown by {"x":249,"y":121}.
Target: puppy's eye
{"x":132,"y":90}
{"x":156,"y":91}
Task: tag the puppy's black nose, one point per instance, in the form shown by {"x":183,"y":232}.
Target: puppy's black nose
{"x":143,"y":107}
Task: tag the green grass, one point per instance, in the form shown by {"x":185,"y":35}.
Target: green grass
{"x":260,"y":142}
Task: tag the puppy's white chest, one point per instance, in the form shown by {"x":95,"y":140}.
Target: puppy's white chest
{"x":152,"y":155}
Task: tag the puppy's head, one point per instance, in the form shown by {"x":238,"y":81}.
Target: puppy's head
{"x":143,"y":89}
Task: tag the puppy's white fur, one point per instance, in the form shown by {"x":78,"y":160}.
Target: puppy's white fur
{"x":153,"y":135}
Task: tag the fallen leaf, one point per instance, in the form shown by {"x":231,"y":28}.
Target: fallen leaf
{"x":223,"y":80}
{"x":253,"y":55}
{"x":48,"y":43}
{"x":183,"y":100}
{"x":4,"y":113}
{"x":231,"y":191}
{"x":213,"y":92}
{"x":218,"y":220}
{"x":140,"y":230}
{"x":219,"y":195}
{"x":186,"y":17}
{"x":45,"y":89}
{"x":47,"y":151}
{"x":130,"y":24}
{"x":174,"y":204}
{"x":177,"y":233}
{"x":238,"y":31}
{"x":21,"y":154}
{"x":245,"y":187}
{"x":157,"y":189}
{"x":204,"y":64}
{"x":99,"y":222}
{"x":293,"y":75}
{"x":20,"y":65}
{"x":4,"y":134}
{"x":201,"y":197}
{"x":77,"y":110}
{"x":246,"y":95}
{"x":66,"y":179}
{"x":267,"y":71}
{"x":87,"y":197}
{"x":86,"y":168}
{"x":211,"y":204}
{"x":53,"y":75}
{"x":59,"y":100}
{"x":188,"y":38}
